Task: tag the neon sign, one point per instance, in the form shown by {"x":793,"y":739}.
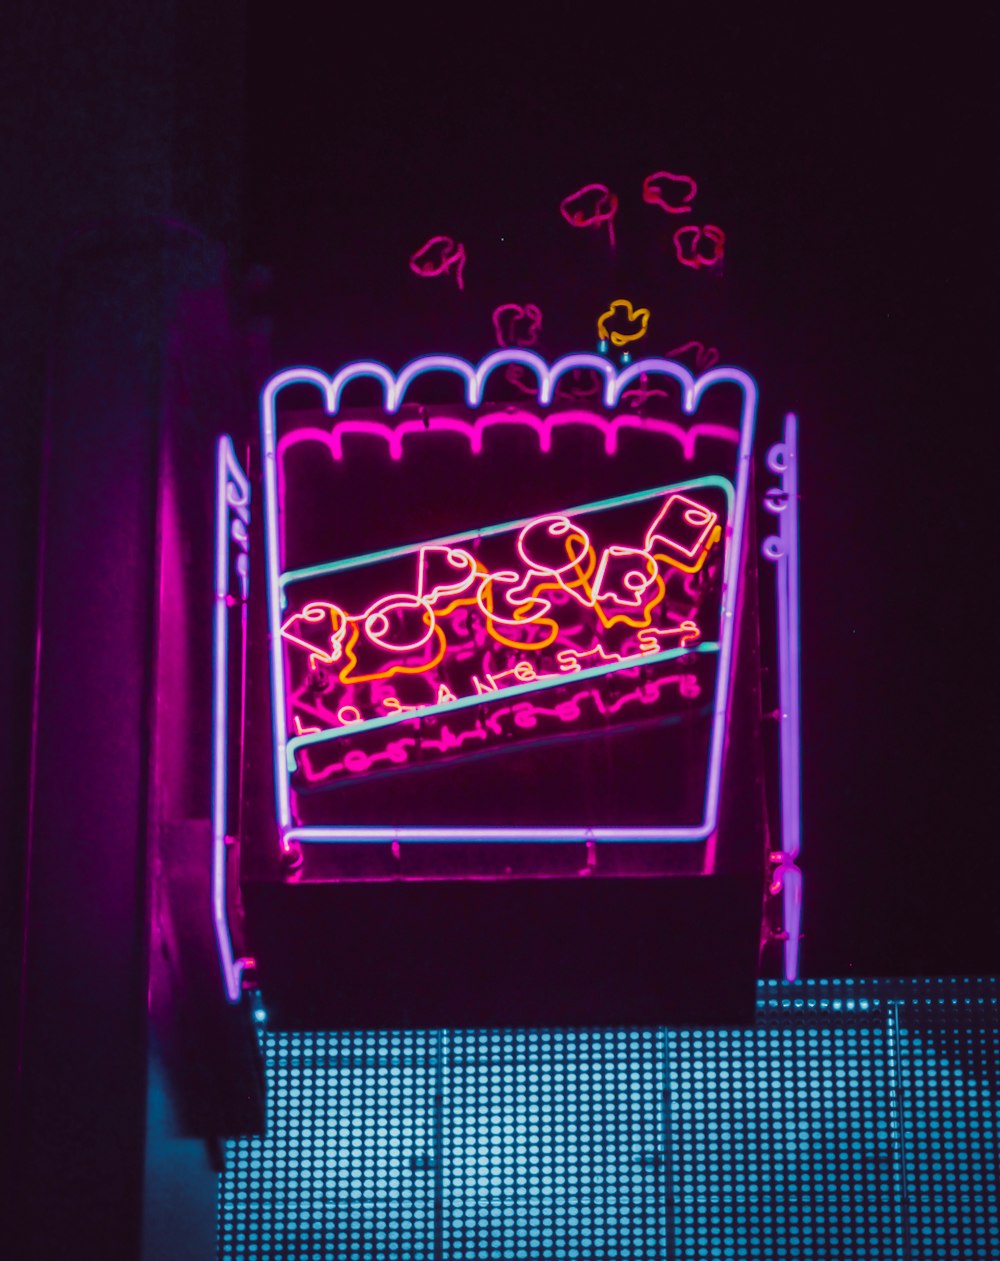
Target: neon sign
{"x":581,"y":617}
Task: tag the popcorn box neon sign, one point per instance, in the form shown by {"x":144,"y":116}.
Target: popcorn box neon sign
{"x":578,"y":616}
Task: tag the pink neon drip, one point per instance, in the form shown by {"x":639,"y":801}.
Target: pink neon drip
{"x":687,"y":241}
{"x":516,"y":325}
{"x":439,"y":256}
{"x":655,"y":188}
{"x":589,"y":207}
{"x":473,"y":431}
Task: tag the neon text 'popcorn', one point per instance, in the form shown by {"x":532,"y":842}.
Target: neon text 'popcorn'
{"x":550,"y":603}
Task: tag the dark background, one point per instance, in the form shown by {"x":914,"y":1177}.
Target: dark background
{"x":844,"y":159}
{"x":850,"y":161}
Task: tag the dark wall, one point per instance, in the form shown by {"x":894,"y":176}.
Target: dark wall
{"x":121,"y":147}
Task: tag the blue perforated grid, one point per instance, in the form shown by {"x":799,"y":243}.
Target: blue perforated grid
{"x":345,"y":1169}
{"x":854,"y":1120}
{"x":551,"y":1144}
{"x":783,"y":1136}
{"x":949,"y":1065}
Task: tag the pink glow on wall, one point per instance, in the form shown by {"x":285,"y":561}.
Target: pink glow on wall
{"x":395,"y":436}
{"x":635,"y":577}
{"x":672,"y":193}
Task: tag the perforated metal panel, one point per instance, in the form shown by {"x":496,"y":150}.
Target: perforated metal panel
{"x":854,"y":1120}
{"x":346,"y":1167}
{"x":784,"y":1135}
{"x":949,"y":1061}
{"x":552,"y":1145}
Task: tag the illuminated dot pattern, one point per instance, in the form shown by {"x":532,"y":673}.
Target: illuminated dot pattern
{"x":855,"y":1119}
{"x":552,"y":1145}
{"x":949,"y":1060}
{"x":344,"y":1170}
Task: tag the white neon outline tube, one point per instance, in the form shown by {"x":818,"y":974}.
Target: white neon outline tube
{"x":232,"y":502}
{"x":783,"y":550}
